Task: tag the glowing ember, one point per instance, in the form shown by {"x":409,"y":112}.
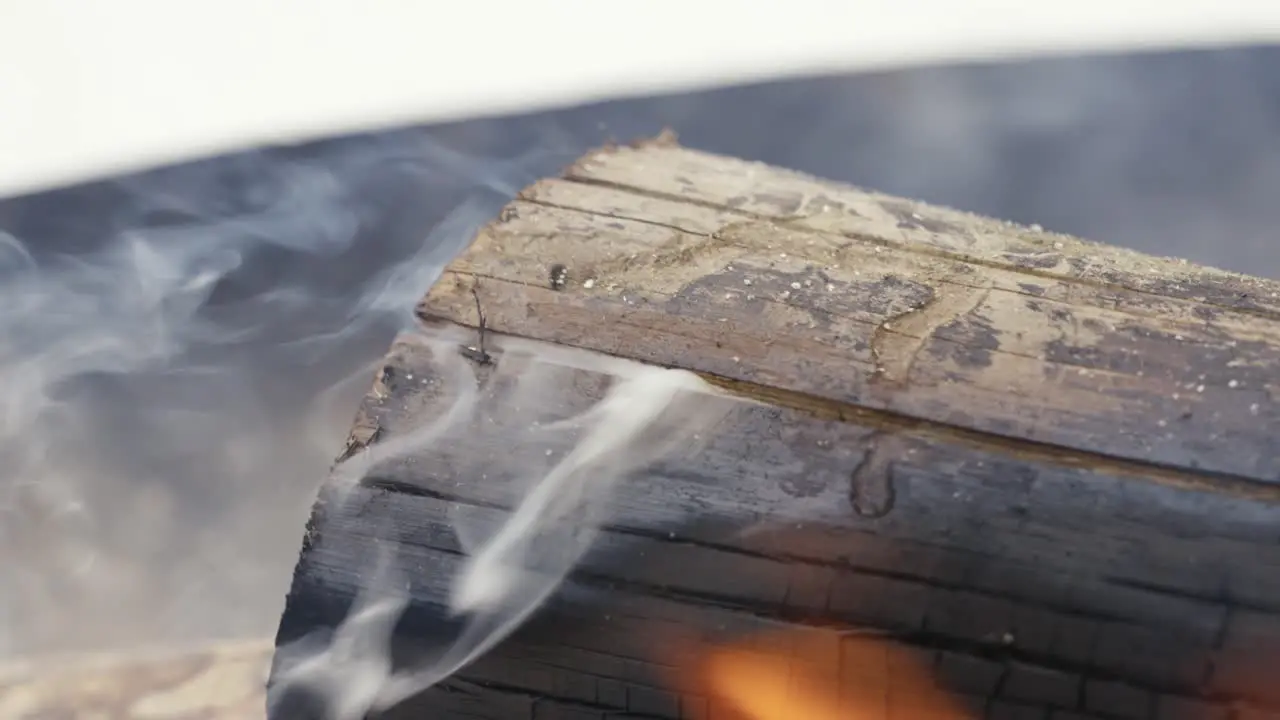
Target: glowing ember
{"x":811,"y":674}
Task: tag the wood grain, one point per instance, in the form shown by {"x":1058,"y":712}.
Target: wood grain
{"x":862,"y":302}
{"x":1000,"y":565}
{"x":1038,"y":467}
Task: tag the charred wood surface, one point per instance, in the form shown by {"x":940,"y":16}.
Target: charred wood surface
{"x":1041,"y":469}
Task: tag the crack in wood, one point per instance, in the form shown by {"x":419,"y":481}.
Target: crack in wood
{"x":1198,"y":480}
{"x":477,"y":353}
{"x":899,"y":340}
{"x":426,"y":312}
{"x":871,"y":489}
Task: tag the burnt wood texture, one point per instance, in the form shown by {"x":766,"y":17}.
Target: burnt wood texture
{"x":1042,"y":467}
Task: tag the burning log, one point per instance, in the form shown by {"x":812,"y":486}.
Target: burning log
{"x":913,"y":463}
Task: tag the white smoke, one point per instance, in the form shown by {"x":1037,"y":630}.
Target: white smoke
{"x":169,"y":345}
{"x":169,"y":405}
{"x":560,"y":467}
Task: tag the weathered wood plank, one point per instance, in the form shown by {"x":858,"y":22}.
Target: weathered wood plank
{"x":664,"y":170}
{"x":1042,"y":468}
{"x":218,"y":681}
{"x":853,"y":320}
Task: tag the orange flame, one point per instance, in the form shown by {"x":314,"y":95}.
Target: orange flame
{"x":812,"y":674}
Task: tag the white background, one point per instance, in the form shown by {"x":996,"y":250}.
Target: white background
{"x":93,"y":88}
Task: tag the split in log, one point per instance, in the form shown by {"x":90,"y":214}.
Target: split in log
{"x":1012,"y":472}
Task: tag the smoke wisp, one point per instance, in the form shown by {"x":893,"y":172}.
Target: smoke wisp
{"x":520,"y":427}
{"x":181,"y":352}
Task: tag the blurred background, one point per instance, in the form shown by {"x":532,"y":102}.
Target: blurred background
{"x":181,"y":351}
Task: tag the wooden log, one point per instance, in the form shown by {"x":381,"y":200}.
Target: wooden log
{"x":1040,"y":468}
